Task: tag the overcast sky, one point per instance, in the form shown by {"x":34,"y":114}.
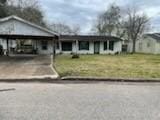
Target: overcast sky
{"x":84,"y":12}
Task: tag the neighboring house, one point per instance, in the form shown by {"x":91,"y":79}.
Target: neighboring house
{"x":18,"y":36}
{"x":89,"y":44}
{"x":149,"y":43}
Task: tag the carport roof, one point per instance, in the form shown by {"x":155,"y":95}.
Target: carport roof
{"x":155,"y":36}
{"x":13,"y":36}
{"x":88,"y":38}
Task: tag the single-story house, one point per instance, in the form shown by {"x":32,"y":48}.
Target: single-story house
{"x":149,"y":43}
{"x":18,"y":36}
{"x":89,"y":44}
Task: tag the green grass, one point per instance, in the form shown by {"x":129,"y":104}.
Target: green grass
{"x":125,"y":66}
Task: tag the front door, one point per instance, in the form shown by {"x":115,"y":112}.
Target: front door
{"x":96,"y":47}
{"x":66,"y":46}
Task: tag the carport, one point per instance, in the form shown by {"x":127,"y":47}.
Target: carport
{"x":9,"y":37}
{"x":22,"y":36}
{"x":18,"y":36}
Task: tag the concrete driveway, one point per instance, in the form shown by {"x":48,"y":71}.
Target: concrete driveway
{"x":35,"y":101}
{"x":25,"y":67}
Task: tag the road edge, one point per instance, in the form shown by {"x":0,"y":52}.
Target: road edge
{"x":79,"y":78}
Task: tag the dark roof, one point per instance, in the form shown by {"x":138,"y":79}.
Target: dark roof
{"x":88,"y":37}
{"x":12,"y":36}
{"x":155,"y":36}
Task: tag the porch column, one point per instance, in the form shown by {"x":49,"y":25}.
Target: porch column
{"x":54,"y":40}
{"x":76,"y":46}
{"x":53,"y":54}
{"x":36,"y":49}
{"x":60,"y":46}
{"x":107,"y":44}
{"x":36,"y":44}
{"x":7,"y":52}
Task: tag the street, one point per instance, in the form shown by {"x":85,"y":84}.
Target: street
{"x":96,"y":101}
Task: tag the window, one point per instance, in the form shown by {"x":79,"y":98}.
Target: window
{"x":83,"y":45}
{"x":44,"y":45}
{"x":148,"y":44}
{"x":57,"y":45}
{"x":66,"y":46}
{"x":105,"y":45}
{"x":111,"y":45}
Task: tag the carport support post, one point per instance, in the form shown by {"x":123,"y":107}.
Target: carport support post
{"x":36,"y":45}
{"x":76,"y":46}
{"x":53,"y":50}
{"x":7,"y":52}
{"x":107,"y":44}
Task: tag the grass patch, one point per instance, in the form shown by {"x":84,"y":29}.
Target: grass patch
{"x":125,"y":65}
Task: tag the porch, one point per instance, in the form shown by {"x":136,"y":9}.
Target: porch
{"x":89,"y":47}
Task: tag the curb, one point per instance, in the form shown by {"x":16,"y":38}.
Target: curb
{"x":24,"y":80}
{"x":53,"y":67}
{"x":98,"y":79}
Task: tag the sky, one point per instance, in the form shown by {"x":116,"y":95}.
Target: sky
{"x":84,"y":12}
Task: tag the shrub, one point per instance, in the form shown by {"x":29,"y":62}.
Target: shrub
{"x":1,"y":50}
{"x":75,"y":56}
{"x":117,"y":53}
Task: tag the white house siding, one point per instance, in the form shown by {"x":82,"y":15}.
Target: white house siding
{"x":129,"y":46}
{"x":49,"y":48}
{"x":146,"y":45}
{"x":12,"y":43}
{"x":14,"y":26}
{"x":75,"y":49}
{"x":157,"y":47}
{"x":25,"y":29}
{"x":117,"y":48}
{"x":3,"y":43}
{"x":90,"y":51}
{"x":59,"y":50}
{"x":66,"y":52}
{"x":7,"y":27}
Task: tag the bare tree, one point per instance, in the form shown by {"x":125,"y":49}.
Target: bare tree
{"x":109,"y":21}
{"x":100,"y":27}
{"x":136,"y":24}
{"x":2,"y":2}
{"x":76,"y":29}
{"x":28,"y":10}
{"x":64,"y":29}
{"x":60,"y":28}
{"x":3,"y":12}
{"x":23,"y":3}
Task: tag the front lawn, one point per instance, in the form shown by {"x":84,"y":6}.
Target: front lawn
{"x":126,"y":66}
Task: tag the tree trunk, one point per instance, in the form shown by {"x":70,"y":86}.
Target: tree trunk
{"x":134,"y":46}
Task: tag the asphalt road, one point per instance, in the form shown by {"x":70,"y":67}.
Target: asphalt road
{"x":99,"y":101}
